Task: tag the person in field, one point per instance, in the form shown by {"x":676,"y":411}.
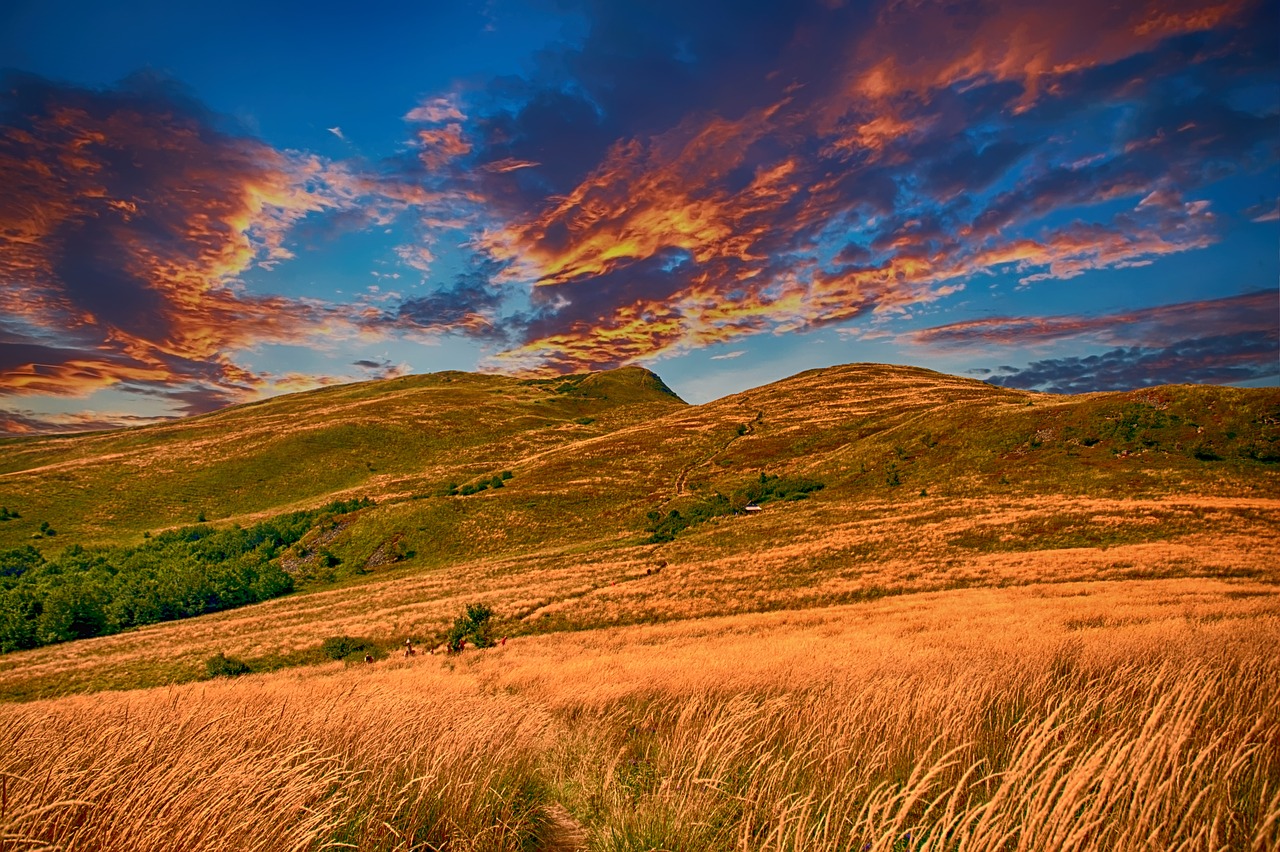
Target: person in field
{"x":408,"y":648}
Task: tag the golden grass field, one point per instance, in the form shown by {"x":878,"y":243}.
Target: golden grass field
{"x":999,"y":626}
{"x":1091,"y":715}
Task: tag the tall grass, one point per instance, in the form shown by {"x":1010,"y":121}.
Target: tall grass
{"x":274,"y":765}
{"x":973,"y":720}
{"x":1138,"y":758}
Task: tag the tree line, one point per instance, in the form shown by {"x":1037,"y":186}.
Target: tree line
{"x":95,"y":591}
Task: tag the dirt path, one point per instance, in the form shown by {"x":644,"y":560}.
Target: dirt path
{"x":564,"y":834}
{"x":683,"y":478}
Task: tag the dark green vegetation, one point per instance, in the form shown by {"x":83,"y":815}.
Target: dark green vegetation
{"x":83,"y":592}
{"x":665,"y":526}
{"x":474,"y":626}
{"x":348,"y":648}
{"x":220,"y":665}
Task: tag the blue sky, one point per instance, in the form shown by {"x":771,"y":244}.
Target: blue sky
{"x":207,"y":205}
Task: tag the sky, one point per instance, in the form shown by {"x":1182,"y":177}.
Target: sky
{"x":207,"y":204}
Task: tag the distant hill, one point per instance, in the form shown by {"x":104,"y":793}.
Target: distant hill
{"x":592,"y":453}
{"x":403,"y":436}
{"x":542,"y":496}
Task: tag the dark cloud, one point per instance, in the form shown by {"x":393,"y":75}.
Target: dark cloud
{"x":381,"y":368}
{"x":1208,"y":360}
{"x":127,"y":215}
{"x":468,"y":307}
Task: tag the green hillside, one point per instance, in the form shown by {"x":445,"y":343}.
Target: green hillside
{"x":556,"y":500}
{"x":404,"y":436}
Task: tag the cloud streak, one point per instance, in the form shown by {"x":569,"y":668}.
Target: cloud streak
{"x":1215,"y":341}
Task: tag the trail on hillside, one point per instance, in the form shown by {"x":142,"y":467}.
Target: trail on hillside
{"x":682,"y":478}
{"x":564,"y":833}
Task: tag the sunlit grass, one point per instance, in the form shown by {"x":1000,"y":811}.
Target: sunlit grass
{"x":1007,"y":621}
{"x":1088,"y":716}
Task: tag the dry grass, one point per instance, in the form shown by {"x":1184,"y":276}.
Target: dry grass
{"x":794,"y":555}
{"x":1058,"y":630}
{"x":1122,"y":715}
{"x":276,"y":763}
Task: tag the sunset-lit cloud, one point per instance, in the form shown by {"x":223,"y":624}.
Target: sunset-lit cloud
{"x":660,"y":180}
{"x":815,"y":203}
{"x":126,"y":225}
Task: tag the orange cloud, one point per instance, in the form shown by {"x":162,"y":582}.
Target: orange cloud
{"x":124,"y":226}
{"x":649,"y":197}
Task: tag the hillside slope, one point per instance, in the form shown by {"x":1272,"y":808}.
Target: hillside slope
{"x":928,"y":482}
{"x":399,"y":436}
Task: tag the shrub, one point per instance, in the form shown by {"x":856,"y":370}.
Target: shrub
{"x":220,"y":665}
{"x":341,"y":647}
{"x":474,"y":626}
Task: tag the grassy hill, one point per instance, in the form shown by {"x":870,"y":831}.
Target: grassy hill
{"x":963,"y":614}
{"x":926,"y":482}
{"x":399,"y":437}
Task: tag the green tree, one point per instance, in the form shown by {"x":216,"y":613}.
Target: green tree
{"x":474,"y":625}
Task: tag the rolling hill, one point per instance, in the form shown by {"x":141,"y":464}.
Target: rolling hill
{"x":927,"y":482}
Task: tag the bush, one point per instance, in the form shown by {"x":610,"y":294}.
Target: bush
{"x":474,"y":626}
{"x":220,"y":665}
{"x":341,"y":647}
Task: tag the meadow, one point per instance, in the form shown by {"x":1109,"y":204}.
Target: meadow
{"x":1004,"y":621}
{"x":1087,"y":715}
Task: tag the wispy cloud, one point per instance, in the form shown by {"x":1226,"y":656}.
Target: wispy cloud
{"x":1245,"y":314}
{"x":737,"y":353}
{"x":1233,"y":339}
{"x":33,"y":423}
